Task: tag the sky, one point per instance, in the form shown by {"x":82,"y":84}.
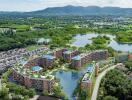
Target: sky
{"x":32,"y":5}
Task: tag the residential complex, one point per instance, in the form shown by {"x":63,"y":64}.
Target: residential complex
{"x":9,"y":58}
{"x":85,"y":58}
{"x":30,"y":73}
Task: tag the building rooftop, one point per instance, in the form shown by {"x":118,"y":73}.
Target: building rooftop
{"x":67,"y":52}
{"x":86,"y":77}
{"x":78,"y":57}
{"x":90,"y":69}
{"x":48,"y":57}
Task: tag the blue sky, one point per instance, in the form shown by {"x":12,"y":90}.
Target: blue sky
{"x":31,"y":5}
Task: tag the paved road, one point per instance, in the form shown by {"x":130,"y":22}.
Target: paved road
{"x":98,"y":80}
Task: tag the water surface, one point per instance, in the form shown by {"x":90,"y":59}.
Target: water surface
{"x":82,"y":40}
{"x":69,"y":79}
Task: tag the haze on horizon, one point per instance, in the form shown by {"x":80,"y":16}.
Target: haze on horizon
{"x":32,"y":5}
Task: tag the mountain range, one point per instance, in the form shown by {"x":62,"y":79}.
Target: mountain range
{"x":78,"y":10}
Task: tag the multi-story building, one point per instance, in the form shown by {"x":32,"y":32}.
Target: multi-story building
{"x":40,"y":83}
{"x":85,"y":58}
{"x":47,"y":61}
{"x":99,"y":55}
{"x":68,"y":55}
{"x":86,"y":83}
{"x":34,"y":62}
{"x":58,"y":53}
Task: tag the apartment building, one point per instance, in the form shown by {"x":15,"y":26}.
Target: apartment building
{"x":69,"y":54}
{"x":41,"y":84}
{"x":85,"y":58}
{"x":86,"y":83}
{"x":47,"y":61}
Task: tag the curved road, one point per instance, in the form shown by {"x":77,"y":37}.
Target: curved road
{"x":98,"y":80}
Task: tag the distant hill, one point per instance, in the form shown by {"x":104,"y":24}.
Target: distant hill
{"x":66,"y":10}
{"x":77,"y":10}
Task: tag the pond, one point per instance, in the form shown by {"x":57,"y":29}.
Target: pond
{"x":82,"y":40}
{"x":69,"y":79}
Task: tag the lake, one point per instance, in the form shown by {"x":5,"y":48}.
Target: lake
{"x":82,"y":40}
{"x":69,"y":79}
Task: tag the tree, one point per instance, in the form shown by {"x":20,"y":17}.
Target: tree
{"x":109,"y":98}
{"x":45,"y":93}
{"x":115,"y":84}
{"x":4,"y":93}
{"x":31,"y":93}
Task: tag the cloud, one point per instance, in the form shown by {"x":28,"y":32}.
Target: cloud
{"x":29,"y":5}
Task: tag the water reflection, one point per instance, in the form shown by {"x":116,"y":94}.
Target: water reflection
{"x":82,"y":40}
{"x":69,"y":80}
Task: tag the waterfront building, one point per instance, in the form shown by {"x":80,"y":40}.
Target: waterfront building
{"x":86,"y":82}
{"x":85,"y":58}
{"x":69,"y":54}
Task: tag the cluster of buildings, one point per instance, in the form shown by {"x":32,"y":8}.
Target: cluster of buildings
{"x":11,"y":57}
{"x":32,"y":67}
{"x":30,"y":76}
{"x":7,"y":30}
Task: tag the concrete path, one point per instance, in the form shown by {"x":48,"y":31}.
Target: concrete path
{"x":98,"y":80}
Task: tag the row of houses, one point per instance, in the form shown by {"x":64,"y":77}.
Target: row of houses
{"x":9,"y":58}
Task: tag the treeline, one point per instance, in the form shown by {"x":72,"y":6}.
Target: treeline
{"x":59,"y":37}
{"x":115,"y":86}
